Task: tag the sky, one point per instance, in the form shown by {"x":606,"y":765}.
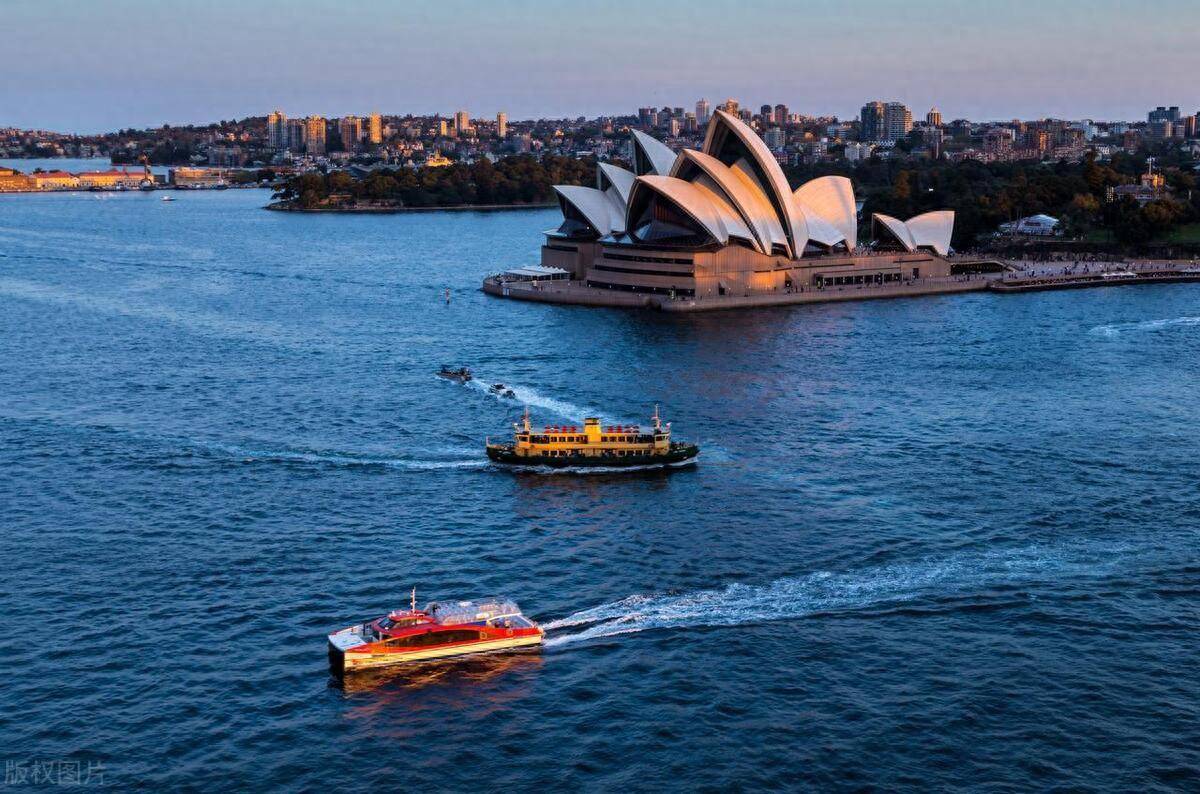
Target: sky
{"x":99,"y":65}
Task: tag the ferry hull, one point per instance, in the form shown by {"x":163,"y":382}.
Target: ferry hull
{"x":509,"y":457}
{"x":348,"y":661}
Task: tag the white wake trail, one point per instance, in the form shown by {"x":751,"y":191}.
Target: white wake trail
{"x":525,"y":395}
{"x":819,"y":592}
{"x":1117,"y":329}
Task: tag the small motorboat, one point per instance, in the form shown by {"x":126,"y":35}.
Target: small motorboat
{"x":168,"y":198}
{"x":503,"y":391}
{"x":439,"y":630}
{"x":462,"y":374}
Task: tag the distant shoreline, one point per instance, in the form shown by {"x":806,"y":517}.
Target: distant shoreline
{"x":280,"y":206}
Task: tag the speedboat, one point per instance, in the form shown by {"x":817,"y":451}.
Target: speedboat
{"x":168,"y":198}
{"x":462,"y":374}
{"x":502,"y":390}
{"x":439,"y":630}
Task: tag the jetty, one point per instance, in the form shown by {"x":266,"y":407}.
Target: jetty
{"x":1118,"y":276}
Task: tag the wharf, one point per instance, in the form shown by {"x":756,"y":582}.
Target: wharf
{"x":1137,"y":274}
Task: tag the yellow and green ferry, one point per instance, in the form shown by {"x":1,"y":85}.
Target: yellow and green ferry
{"x":562,"y":446}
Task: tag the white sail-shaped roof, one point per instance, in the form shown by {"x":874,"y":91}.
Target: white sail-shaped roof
{"x":820,"y":230}
{"x":613,"y":177}
{"x":765,"y":168}
{"x":730,"y":218}
{"x":742,"y":193}
{"x":831,"y":198}
{"x":743,"y":171}
{"x":592,"y":204}
{"x":896,"y":229}
{"x":933,"y":230}
{"x":929,"y":230}
{"x":689,"y":198}
{"x":658,"y":156}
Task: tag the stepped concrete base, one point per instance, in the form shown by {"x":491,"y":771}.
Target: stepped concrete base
{"x":577,"y":293}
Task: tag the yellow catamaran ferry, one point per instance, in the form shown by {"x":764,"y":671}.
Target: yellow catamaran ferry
{"x":592,"y":445}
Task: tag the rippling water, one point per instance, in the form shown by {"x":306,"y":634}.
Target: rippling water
{"x":930,"y":543}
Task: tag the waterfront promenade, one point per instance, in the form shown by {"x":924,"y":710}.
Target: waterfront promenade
{"x":1018,"y":276}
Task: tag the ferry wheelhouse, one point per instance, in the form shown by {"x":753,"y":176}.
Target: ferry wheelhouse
{"x":592,"y":445}
{"x":437,"y":631}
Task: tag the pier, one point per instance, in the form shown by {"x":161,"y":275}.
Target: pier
{"x":1106,"y":275}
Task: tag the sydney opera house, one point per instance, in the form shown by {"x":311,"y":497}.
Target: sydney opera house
{"x":723,"y":222}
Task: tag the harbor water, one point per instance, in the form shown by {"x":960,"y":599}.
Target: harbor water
{"x":932,"y":543}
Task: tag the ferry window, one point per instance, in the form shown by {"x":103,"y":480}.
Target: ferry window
{"x":433,"y":638}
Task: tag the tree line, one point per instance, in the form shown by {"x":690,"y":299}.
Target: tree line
{"x":517,"y":179}
{"x":985,"y":195}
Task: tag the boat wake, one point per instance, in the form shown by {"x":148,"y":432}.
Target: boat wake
{"x":247,"y":455}
{"x":534,"y":399}
{"x":1117,"y":329}
{"x":954,"y":578}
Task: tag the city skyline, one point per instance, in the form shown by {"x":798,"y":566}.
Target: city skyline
{"x":1078,"y":61}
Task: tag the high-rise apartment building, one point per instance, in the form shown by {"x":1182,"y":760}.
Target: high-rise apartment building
{"x":295,"y":135}
{"x":462,"y":122}
{"x":374,"y":129}
{"x":277,"y":131}
{"x":730,"y":106}
{"x":502,"y":125}
{"x":703,"y":112}
{"x":781,"y":114}
{"x":774,"y":139}
{"x":350,"y":131}
{"x":934,"y":117}
{"x":1163,"y":114}
{"x":885,"y":122}
{"x":871,"y":120}
{"x":314,"y":136}
{"x":898,"y":121}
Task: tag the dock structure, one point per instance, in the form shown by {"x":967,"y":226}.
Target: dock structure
{"x":1145,"y":273}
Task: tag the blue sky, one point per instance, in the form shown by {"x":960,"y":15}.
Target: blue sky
{"x":97,"y":65}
